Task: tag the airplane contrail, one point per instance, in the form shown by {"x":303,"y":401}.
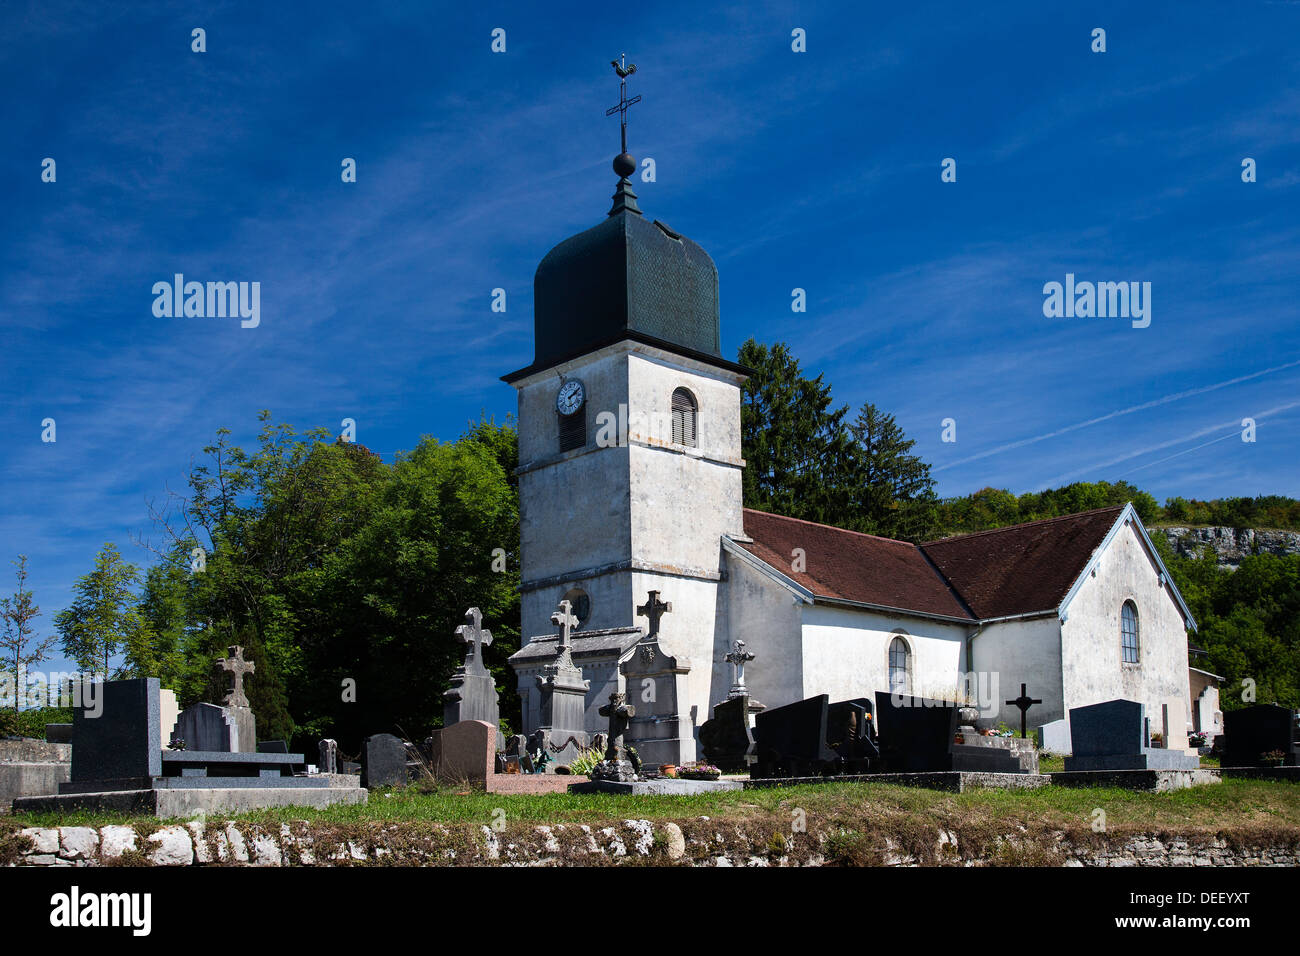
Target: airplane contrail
{"x":1236,"y":425}
{"x":1176,"y":396}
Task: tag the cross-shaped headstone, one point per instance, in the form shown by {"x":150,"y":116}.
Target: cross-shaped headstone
{"x":737,"y":659}
{"x":235,"y":664}
{"x":564,"y":619}
{"x":1024,"y":702}
{"x":654,"y":609}
{"x":619,"y":712}
{"x":623,"y":71}
{"x":473,"y":635}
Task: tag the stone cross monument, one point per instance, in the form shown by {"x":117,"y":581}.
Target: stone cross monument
{"x":473,"y":691}
{"x":620,"y":713}
{"x":563,"y":696}
{"x":655,"y":677}
{"x":238,"y":710}
{"x":737,"y":659}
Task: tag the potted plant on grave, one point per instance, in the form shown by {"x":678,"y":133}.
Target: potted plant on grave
{"x":699,"y":771}
{"x":1272,"y":758}
{"x":668,"y":770}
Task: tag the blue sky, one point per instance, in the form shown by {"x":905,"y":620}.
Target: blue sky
{"x":818,"y":170}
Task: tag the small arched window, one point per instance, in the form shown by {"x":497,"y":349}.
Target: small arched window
{"x":684,"y":415}
{"x":900,"y":666}
{"x":1128,"y":632}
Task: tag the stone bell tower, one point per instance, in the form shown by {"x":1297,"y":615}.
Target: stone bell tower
{"x":629,"y":439}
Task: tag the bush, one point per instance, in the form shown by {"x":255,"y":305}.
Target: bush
{"x":31,"y":723}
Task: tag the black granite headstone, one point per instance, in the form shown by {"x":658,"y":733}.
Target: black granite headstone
{"x":850,"y":726}
{"x":206,"y":727}
{"x":916,"y":733}
{"x":790,"y":741}
{"x":1254,"y":732}
{"x":725,"y":739}
{"x":1113,"y":735}
{"x":383,"y":762}
{"x":116,"y":730}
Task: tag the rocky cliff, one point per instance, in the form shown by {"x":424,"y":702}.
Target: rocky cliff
{"x":1231,"y":544}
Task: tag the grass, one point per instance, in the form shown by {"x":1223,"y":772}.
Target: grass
{"x":1231,"y":804}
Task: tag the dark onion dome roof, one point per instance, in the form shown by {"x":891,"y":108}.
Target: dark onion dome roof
{"x":626,"y":278}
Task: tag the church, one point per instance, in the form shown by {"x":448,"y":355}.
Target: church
{"x":630,"y":483}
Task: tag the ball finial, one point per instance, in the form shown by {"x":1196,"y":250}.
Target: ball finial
{"x":624,"y":165}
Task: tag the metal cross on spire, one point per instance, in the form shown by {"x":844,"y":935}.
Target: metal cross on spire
{"x":624,"y":71}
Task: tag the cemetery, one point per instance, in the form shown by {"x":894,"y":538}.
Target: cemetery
{"x":138,"y":756}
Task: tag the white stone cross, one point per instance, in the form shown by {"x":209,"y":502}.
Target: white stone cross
{"x":473,"y":634}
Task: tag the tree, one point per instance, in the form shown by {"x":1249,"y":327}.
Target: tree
{"x":797,"y":450}
{"x":19,"y":648}
{"x":893,"y":491}
{"x":103,"y":620}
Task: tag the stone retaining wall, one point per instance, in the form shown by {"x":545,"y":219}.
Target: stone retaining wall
{"x":696,"y":842}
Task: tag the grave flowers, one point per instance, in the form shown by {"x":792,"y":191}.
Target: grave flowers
{"x":701,"y":771}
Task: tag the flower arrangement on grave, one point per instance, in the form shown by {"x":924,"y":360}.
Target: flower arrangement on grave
{"x":699,"y":771}
{"x":1273,"y":758}
{"x":585,"y":760}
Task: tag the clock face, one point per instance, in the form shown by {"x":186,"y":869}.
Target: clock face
{"x":570,"y":397}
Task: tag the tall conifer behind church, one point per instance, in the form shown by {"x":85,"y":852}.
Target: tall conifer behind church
{"x":804,"y":460}
{"x":893,"y":491}
{"x":797,"y":449}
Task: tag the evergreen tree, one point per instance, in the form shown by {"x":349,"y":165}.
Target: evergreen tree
{"x":103,"y":621}
{"x":798,"y":452}
{"x":893,"y":492}
{"x":19,"y":648}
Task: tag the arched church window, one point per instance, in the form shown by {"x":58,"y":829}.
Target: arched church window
{"x":900,"y":666}
{"x":1128,"y":631}
{"x":684,"y":414}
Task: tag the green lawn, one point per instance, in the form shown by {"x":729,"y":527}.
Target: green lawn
{"x":1232,"y":804}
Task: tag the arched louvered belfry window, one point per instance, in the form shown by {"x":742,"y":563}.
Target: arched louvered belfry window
{"x":1128,"y":632}
{"x":685,"y":412}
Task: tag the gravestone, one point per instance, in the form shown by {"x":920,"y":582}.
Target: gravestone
{"x":169,"y":712}
{"x":737,"y":659}
{"x":616,"y":766}
{"x":850,"y":732}
{"x":383,"y":762}
{"x":560,"y":736}
{"x":655,"y":679}
{"x":117,"y":736}
{"x":1115,"y":735}
{"x":917,"y":734}
{"x":58,"y":733}
{"x":473,"y":691}
{"x":329,"y":756}
{"x":466,"y":751}
{"x":118,"y":762}
{"x":1253,"y":732}
{"x":790,"y":741}
{"x":207,"y":727}
{"x":236,"y":702}
{"x":727,"y":738}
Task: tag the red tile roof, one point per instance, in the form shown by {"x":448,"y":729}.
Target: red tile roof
{"x":1017,"y":570}
{"x":1023,"y":568}
{"x":849,"y":566}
